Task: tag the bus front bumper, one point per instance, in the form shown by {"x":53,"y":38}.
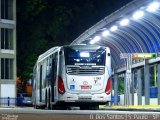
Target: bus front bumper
{"x":101,"y":97}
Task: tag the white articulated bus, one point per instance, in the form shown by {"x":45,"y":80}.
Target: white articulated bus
{"x":73,"y":75}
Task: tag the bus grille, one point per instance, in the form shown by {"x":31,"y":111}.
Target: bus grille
{"x":85,"y":70}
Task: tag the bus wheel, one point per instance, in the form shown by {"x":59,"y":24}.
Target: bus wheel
{"x":84,"y":107}
{"x":94,"y":107}
{"x":48,"y":106}
{"x":48,"y":101}
{"x":36,"y":107}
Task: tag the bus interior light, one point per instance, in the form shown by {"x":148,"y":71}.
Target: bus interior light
{"x":84,"y":54}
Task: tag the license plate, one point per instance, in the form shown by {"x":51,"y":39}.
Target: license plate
{"x":84,"y":97}
{"x":86,"y":87}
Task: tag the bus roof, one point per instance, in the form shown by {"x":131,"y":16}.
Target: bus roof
{"x":81,"y":46}
{"x":47,"y":53}
{"x":54,"y":49}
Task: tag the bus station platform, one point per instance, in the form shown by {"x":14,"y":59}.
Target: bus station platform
{"x":153,"y":108}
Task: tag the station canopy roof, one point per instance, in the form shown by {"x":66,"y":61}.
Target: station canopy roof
{"x":134,"y":28}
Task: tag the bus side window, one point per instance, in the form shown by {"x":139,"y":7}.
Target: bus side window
{"x":54,"y":67}
{"x":40,"y":83}
{"x":50,"y":63}
{"x":47,"y":68}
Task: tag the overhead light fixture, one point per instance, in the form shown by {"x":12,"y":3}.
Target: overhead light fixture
{"x":95,"y":39}
{"x":92,"y":42}
{"x":124,"y":22}
{"x":84,"y":54}
{"x":105,"y":33}
{"x":138,"y":15}
{"x":153,"y":7}
{"x":114,"y":28}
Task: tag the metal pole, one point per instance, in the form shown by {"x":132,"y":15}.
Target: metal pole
{"x":128,"y":77}
{"x":8,"y":101}
{"x":139,"y":81}
{"x":158,"y":80}
{"x":125,"y":90}
{"x":155,"y":75}
{"x":128,"y":80}
{"x":116,"y":89}
{"x":146,"y":82}
{"x":132,"y":88}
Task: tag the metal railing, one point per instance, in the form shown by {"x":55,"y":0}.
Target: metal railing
{"x":11,"y":101}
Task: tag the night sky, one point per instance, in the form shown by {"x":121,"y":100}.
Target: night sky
{"x":42,"y":24}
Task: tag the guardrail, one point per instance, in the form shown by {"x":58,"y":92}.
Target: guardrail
{"x":11,"y":101}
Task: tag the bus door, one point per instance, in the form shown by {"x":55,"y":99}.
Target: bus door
{"x":53,"y":74}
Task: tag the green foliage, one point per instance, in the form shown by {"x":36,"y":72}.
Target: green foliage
{"x":121,"y":85}
{"x":34,"y":7}
{"x":29,"y":61}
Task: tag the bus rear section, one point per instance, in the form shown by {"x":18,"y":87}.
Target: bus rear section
{"x":87,"y":79}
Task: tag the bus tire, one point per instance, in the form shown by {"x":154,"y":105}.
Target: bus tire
{"x":84,"y":107}
{"x":94,"y":107}
{"x":48,"y":105}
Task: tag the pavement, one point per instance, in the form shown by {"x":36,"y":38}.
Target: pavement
{"x":154,"y":108}
{"x":150,"y":108}
{"x":30,"y":113}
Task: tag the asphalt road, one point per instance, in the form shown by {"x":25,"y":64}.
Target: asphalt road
{"x":36,"y":114}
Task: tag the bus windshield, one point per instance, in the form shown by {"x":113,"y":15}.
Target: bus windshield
{"x":74,"y":56}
